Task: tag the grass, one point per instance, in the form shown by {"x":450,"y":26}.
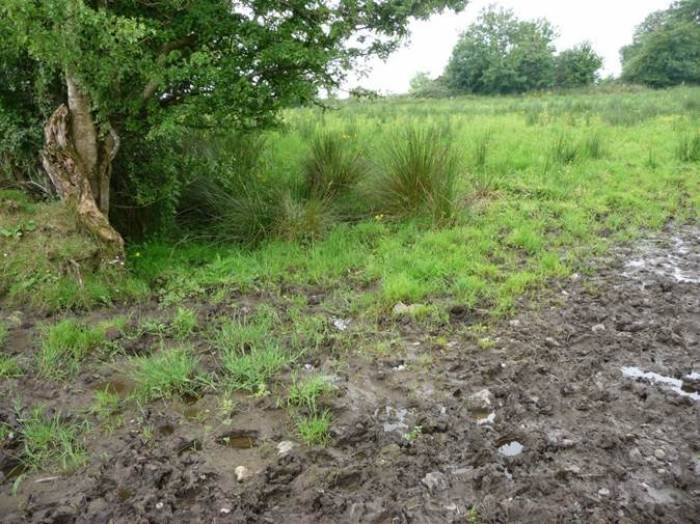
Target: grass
{"x":166,"y":373}
{"x":4,"y":333}
{"x":314,"y":429}
{"x":65,"y":345}
{"x":105,"y":404}
{"x":52,"y":444}
{"x":305,"y":393}
{"x":10,"y":367}
{"x":184,"y":323}
{"x":252,"y":370}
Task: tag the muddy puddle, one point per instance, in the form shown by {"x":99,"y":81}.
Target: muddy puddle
{"x":687,"y":387}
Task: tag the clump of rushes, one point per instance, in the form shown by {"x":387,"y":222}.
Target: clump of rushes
{"x":303,"y":220}
{"x":333,"y":166}
{"x":65,"y":345}
{"x":594,"y":146}
{"x":420,"y":176}
{"x":166,"y":373}
{"x":51,"y":443}
{"x":564,"y":150}
{"x":688,"y":149}
{"x":312,"y":423}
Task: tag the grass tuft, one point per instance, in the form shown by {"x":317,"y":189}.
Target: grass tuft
{"x":333,"y":168}
{"x":65,"y":345}
{"x":51,"y":444}
{"x":167,"y":373}
{"x":313,"y":430}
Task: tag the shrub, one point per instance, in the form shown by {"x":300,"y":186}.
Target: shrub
{"x":420,"y":176}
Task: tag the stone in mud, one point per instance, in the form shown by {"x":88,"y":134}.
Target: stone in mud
{"x":285,"y":447}
{"x":660,"y":454}
{"x":242,"y":473}
{"x":402,"y":310}
{"x":480,"y":401}
{"x":598,"y":328}
{"x":435,"y":481}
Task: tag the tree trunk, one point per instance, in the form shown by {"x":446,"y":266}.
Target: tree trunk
{"x":79,"y":163}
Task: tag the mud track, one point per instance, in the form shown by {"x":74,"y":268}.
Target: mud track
{"x":586,"y":409}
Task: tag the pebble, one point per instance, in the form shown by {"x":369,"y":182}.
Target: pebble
{"x":159,"y":505}
{"x":242,"y":473}
{"x":598,"y":328}
{"x":635,"y":454}
{"x":435,"y":481}
{"x":660,"y":454}
{"x":225,"y":511}
{"x":551,"y":342}
{"x":481,"y":400}
{"x":604,"y":492}
{"x":285,"y":447}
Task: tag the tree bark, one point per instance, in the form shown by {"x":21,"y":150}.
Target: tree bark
{"x":79,"y":163}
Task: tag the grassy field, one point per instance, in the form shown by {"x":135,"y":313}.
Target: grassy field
{"x":382,"y":212}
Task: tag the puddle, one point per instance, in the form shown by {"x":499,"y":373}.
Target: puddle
{"x":510,"y":448}
{"x":678,"y":262}
{"x":686,"y":388}
{"x":238,"y":439}
{"x":192,"y":413}
{"x":395,"y":419}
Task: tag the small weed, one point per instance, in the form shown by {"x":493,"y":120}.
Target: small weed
{"x":4,"y":332}
{"x":10,"y":367}
{"x":184,"y":323}
{"x":50,"y":444}
{"x":105,"y":404}
{"x":306,"y":392}
{"x":65,"y":345}
{"x":412,"y":435}
{"x":314,"y":429}
{"x":486,"y":343}
{"x":166,"y":373}
{"x":473,"y":515}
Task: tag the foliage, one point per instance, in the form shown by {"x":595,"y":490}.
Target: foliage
{"x":166,"y":373}
{"x":578,"y":66}
{"x":65,"y":345}
{"x":665,"y":50}
{"x":51,"y":443}
{"x":501,"y":54}
{"x":420,"y":176}
{"x":422,"y":86}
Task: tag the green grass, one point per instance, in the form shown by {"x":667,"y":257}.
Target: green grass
{"x":51,"y":443}
{"x":314,"y":429}
{"x":65,"y":345}
{"x":105,"y":404}
{"x":184,"y":323}
{"x":306,"y":392}
{"x":4,"y":333}
{"x":166,"y":373}
{"x":10,"y":367}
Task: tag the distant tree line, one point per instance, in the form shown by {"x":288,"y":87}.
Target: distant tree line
{"x":501,"y":54}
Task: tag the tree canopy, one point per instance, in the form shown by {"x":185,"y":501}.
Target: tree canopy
{"x":578,"y":66}
{"x":665,"y":50}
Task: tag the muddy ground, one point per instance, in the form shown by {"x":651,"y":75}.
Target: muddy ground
{"x":583,"y":408}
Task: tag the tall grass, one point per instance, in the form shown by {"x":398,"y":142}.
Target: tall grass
{"x":688,"y":148}
{"x":334,"y":166}
{"x":419,"y":176}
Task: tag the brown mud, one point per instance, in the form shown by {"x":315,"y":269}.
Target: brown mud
{"x":585,"y":409}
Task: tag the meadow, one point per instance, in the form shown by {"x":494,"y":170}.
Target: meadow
{"x":337,"y":234}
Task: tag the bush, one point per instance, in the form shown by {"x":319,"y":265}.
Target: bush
{"x":420,"y":176}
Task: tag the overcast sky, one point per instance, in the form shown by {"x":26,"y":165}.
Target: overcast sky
{"x":608,"y":24}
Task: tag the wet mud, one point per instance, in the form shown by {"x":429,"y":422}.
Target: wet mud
{"x":585,"y":409}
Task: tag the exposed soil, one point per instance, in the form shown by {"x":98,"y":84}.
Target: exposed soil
{"x":586,"y":409}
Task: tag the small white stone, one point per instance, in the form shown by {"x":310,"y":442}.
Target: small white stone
{"x":340,"y":324}
{"x":660,"y":454}
{"x":242,"y":473}
{"x":159,"y":505}
{"x":285,"y":447}
{"x":225,"y":511}
{"x":604,"y":492}
{"x":598,"y":328}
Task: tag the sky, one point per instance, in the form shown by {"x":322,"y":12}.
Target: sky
{"x":607,"y":24}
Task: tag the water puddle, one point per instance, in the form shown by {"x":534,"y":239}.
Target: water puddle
{"x":395,"y":419}
{"x":678,"y":262}
{"x":510,"y":448}
{"x":238,"y":439}
{"x":166,"y":430}
{"x":688,"y":387}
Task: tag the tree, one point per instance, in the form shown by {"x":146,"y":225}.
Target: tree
{"x":578,"y":67}
{"x":665,"y":50}
{"x":422,"y":86}
{"x":501,"y":54}
{"x":132,"y":70}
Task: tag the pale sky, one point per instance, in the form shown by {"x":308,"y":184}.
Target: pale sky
{"x":608,"y":24}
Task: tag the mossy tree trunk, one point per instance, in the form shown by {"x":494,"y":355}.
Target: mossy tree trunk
{"x":78,"y":160}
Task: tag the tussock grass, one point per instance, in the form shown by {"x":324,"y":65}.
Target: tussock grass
{"x":419,"y":176}
{"x":52,"y":444}
{"x":688,"y":148}
{"x":334,"y":166}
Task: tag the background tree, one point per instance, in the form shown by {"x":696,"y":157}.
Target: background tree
{"x":665,"y":50}
{"x":501,"y":54}
{"x":422,"y":86}
{"x":135,"y":73}
{"x":578,"y":66}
